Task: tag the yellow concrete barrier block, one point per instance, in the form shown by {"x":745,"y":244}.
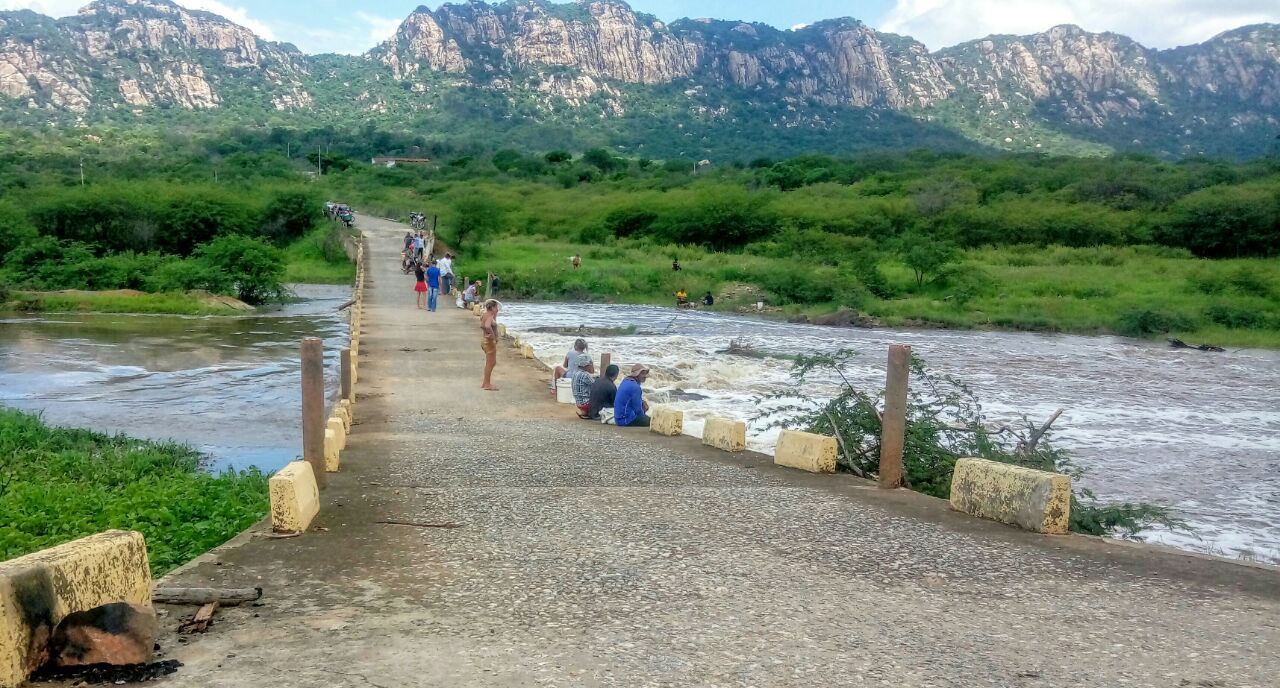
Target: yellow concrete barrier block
{"x":39,"y":590}
{"x":347,"y":417}
{"x":806,"y":451}
{"x":502,"y":331}
{"x":332,"y":452}
{"x":722,"y":433}
{"x":295,"y":499}
{"x":339,"y":432}
{"x":526,"y":351}
{"x":666,"y":420}
{"x":1033,"y":500}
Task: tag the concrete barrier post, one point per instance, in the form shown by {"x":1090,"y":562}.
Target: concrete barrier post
{"x":313,"y":418}
{"x":893,"y":427}
{"x":346,"y":373}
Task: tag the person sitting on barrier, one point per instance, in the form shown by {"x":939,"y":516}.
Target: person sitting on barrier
{"x":602,"y":394}
{"x":582,"y":380}
{"x":629,"y":407}
{"x":570,"y":363}
{"x":469,"y":296}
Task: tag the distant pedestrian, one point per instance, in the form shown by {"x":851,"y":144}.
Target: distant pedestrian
{"x":433,"y":286}
{"x":489,"y":341}
{"x":675,"y":265}
{"x":708,"y":300}
{"x":420,"y":285}
{"x":576,"y":260}
{"x":446,"y":274}
{"x":494,"y":283}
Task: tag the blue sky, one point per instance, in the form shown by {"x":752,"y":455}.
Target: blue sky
{"x":352,"y":27}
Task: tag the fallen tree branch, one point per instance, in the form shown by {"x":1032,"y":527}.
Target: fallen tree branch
{"x":346,"y":305}
{"x":835,"y":429}
{"x":1029,"y":445}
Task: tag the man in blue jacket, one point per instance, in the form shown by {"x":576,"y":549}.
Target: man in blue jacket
{"x":629,"y":407}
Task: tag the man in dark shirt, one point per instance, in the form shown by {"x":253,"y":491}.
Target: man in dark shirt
{"x":603,"y":392}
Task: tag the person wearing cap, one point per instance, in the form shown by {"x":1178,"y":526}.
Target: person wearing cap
{"x":603,"y":393}
{"x":629,"y":408}
{"x":582,"y":381}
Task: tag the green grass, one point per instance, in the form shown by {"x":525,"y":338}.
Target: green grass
{"x":57,"y":485}
{"x":1055,"y":289}
{"x":107,"y":302}
{"x":318,"y":258}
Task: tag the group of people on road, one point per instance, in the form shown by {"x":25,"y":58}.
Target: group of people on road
{"x":602,"y":398}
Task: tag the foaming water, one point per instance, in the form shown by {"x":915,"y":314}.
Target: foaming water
{"x":1198,"y":432}
{"x":230,"y":386}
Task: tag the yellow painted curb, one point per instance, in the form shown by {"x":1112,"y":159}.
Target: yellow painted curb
{"x":666,"y":420}
{"x":295,"y":499}
{"x":722,"y":433}
{"x":39,"y":590}
{"x":1034,"y":500}
{"x":806,"y":451}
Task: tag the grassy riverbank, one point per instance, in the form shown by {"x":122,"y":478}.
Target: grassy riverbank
{"x":1135,"y":291}
{"x":57,"y":485}
{"x":117,"y":301}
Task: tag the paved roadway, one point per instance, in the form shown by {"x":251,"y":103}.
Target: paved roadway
{"x":589,"y":555}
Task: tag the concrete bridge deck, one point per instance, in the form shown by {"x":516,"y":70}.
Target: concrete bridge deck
{"x":590,"y":555}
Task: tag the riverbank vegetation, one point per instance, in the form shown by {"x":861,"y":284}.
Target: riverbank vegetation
{"x":58,"y":484}
{"x":945,"y":423}
{"x":1128,"y":244}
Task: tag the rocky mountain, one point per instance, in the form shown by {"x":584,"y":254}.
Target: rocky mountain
{"x":529,"y":70}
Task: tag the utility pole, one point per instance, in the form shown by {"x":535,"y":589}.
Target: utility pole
{"x":319,"y":161}
{"x":82,"y":170}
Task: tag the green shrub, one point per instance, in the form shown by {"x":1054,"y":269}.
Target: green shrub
{"x":253,"y":266}
{"x":1235,"y":316}
{"x":57,"y":485}
{"x":1144,"y":322}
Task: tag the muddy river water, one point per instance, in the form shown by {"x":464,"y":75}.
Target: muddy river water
{"x":1199,"y":432}
{"x":1196,"y":431}
{"x":230,"y":386}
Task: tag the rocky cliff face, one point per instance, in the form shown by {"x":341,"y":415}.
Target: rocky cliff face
{"x":1065,"y":82}
{"x":141,"y":53}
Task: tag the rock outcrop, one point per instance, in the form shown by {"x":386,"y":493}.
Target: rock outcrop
{"x":141,"y":53}
{"x":1096,"y":88}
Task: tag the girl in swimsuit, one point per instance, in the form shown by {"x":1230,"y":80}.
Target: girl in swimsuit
{"x":489,"y":341}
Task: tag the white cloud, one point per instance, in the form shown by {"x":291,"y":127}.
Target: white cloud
{"x":380,"y":28}
{"x":52,"y":8}
{"x":1154,"y":23}
{"x":65,"y":8}
{"x":235,"y":13}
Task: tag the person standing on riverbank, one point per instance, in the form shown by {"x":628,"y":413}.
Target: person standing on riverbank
{"x":630,"y":410}
{"x":489,"y":341}
{"x":420,"y":286}
{"x":433,"y":286}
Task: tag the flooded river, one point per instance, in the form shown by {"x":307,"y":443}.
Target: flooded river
{"x":1196,"y":431}
{"x":226,"y":385}
{"x":1199,"y":432}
